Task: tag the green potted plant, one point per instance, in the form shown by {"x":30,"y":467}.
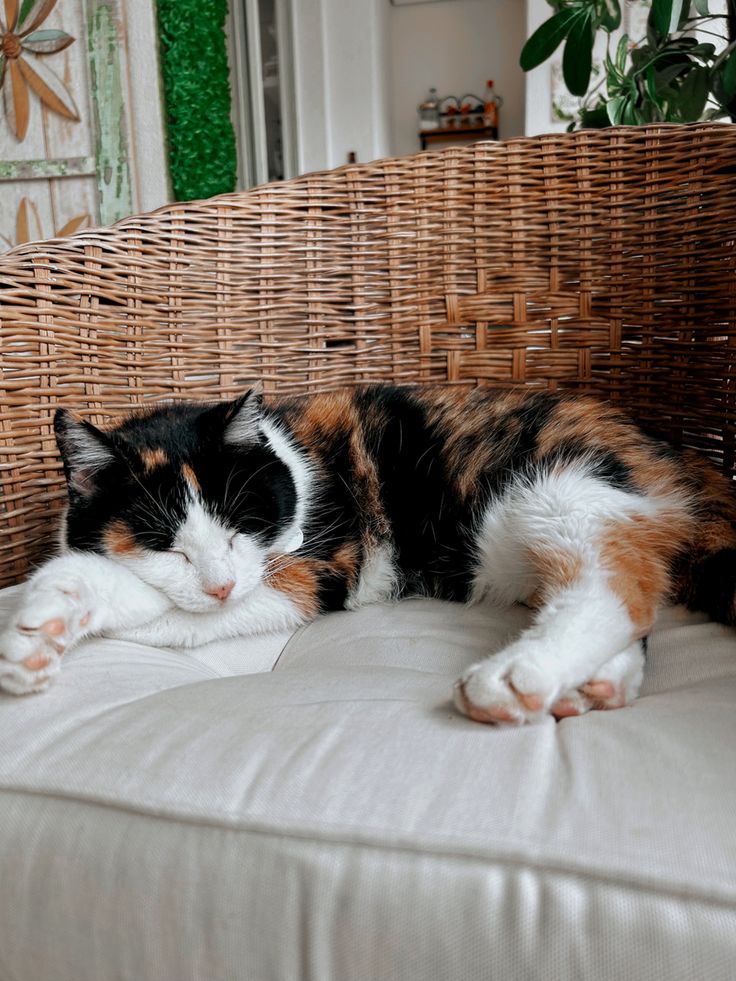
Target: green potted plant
{"x":674,"y":74}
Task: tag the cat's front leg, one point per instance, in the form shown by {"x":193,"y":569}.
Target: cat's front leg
{"x":74,"y":596}
{"x":264,"y":610}
{"x":583,"y":652}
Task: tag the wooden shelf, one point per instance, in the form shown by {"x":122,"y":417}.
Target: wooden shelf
{"x":457,"y":131}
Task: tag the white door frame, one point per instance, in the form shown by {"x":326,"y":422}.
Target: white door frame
{"x":249,"y":117}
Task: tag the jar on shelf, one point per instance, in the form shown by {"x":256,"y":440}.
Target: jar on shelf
{"x":429,"y":111}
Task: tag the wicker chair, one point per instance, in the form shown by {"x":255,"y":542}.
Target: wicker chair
{"x":601,"y":260}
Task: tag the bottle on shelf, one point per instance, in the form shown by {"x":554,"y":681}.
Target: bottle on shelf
{"x":490,"y":107}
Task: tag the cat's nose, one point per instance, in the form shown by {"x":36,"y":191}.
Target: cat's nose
{"x":222,"y":591}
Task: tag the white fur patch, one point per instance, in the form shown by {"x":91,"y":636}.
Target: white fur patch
{"x":302,"y":474}
{"x":243,"y":427}
{"x":205,"y":555}
{"x":562,"y":511}
{"x":584,"y":625}
{"x":378,"y":580}
{"x":86,"y":452}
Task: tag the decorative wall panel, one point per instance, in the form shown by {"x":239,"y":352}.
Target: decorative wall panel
{"x":69,"y":138}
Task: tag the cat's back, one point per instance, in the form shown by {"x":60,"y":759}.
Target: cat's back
{"x":468,"y":441}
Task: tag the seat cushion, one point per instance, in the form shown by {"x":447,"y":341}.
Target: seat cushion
{"x":168,"y":816}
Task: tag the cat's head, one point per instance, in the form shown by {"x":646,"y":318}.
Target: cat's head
{"x":192,"y":498}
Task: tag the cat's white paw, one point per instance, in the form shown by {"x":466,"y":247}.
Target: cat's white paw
{"x":53,"y":615}
{"x":615,"y":685}
{"x":517,"y":686}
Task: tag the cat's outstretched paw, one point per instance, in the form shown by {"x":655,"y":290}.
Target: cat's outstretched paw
{"x":53,"y":615}
{"x":615,"y":685}
{"x":507,"y":689}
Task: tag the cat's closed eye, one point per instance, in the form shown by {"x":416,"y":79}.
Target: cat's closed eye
{"x":184,"y":555}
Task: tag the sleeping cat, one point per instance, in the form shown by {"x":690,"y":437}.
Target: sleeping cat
{"x":191,"y":522}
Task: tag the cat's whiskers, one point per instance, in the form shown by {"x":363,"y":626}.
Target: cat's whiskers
{"x":233,"y":470}
{"x":242,"y":489}
{"x":282,"y":560}
{"x":158,"y":504}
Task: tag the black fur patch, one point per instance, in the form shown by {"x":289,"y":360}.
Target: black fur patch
{"x":248,"y":488}
{"x":431,"y":531}
{"x":714,"y":586}
{"x":605,"y":465}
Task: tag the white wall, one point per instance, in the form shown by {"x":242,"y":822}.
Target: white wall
{"x":455,"y":45}
{"x":361,"y":67}
{"x":340,"y":70}
{"x":538,"y":83}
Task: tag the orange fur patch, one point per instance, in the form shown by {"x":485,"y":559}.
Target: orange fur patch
{"x":191,"y":477}
{"x":465,"y":420}
{"x":153,"y":458}
{"x":638,"y":554}
{"x":345,"y":562}
{"x":328,"y":412}
{"x":556,"y":570}
{"x":298,"y":579}
{"x":119,"y":538}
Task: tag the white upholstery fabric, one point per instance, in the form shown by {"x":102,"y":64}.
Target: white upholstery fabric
{"x":165,"y":818}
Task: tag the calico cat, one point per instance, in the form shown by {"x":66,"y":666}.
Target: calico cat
{"x":192,"y":522}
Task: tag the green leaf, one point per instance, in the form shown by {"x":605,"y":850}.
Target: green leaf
{"x":723,"y":80}
{"x":47,"y":42}
{"x":615,"y":109}
{"x":728,"y":76}
{"x":622,"y":50}
{"x":577,"y":59}
{"x":25,"y":9}
{"x":666,"y":15}
{"x":650,"y":83}
{"x":651,"y":31}
{"x":546,"y":39}
{"x":705,"y":50}
{"x":692,"y":95}
{"x":630,"y":115}
{"x":610,"y":15}
{"x":595,"y":118}
{"x":702,"y":7}
{"x":670,"y":72}
{"x":691,"y":47}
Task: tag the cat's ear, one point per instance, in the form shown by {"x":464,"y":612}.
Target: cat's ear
{"x":242,"y":418}
{"x":85,"y":451}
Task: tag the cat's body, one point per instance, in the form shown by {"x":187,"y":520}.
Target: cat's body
{"x":192,"y":523}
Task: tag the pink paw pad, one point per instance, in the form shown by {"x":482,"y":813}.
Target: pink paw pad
{"x":490,"y":714}
{"x":565,"y":708}
{"x":599,"y":689}
{"x":605,"y":695}
{"x":53,"y":628}
{"x":530,"y":701}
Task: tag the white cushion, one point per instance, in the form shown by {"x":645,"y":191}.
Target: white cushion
{"x":165,"y":817}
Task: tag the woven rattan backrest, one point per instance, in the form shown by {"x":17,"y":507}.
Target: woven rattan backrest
{"x":599,"y":260}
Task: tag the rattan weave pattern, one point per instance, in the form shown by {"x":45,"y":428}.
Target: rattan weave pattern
{"x":601,"y":260}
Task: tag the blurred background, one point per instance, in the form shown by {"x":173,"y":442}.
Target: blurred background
{"x":110,"y":107}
